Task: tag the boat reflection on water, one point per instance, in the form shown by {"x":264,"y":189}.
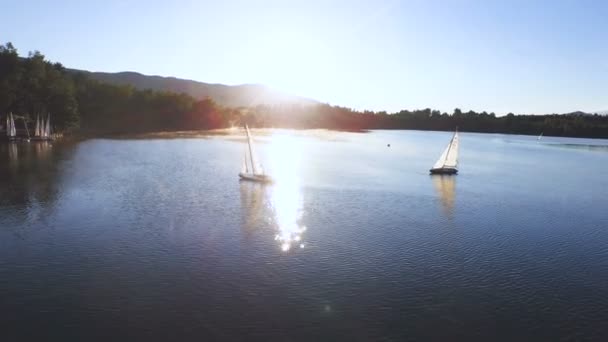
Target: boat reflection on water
{"x":30,"y":175}
{"x":278,"y":205}
{"x":253,"y":199}
{"x":445,"y":185}
{"x":32,"y":153}
{"x":13,"y":154}
{"x":42,"y":150}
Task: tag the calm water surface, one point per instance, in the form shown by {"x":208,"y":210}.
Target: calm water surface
{"x":158,"y":240}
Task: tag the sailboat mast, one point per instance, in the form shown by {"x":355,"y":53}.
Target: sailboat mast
{"x":42,"y":126}
{"x":47,"y":129}
{"x":449,"y":147}
{"x":26,"y":129}
{"x":13,"y":128}
{"x":250,"y":151}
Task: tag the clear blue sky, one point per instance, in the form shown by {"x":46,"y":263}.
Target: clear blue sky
{"x":520,"y":56}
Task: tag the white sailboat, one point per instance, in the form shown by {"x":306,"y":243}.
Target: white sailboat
{"x":47,"y":127}
{"x":448,"y":162}
{"x":42,"y":131}
{"x":11,"y":130}
{"x":8,"y":125}
{"x":540,"y":136}
{"x":27,"y":131}
{"x":37,"y":129}
{"x":251,"y":169}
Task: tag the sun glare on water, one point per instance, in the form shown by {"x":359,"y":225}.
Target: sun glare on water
{"x":279,"y":205}
{"x":286,"y":200}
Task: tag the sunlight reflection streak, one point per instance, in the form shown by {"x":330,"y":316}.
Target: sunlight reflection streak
{"x":286,"y":199}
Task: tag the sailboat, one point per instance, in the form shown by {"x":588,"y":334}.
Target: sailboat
{"x":448,"y":162}
{"x":37,"y":129}
{"x":251,"y":170}
{"x":42,"y":131}
{"x":11,"y":130}
{"x":47,"y":127}
{"x":540,"y":136}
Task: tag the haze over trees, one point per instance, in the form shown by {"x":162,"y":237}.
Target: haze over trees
{"x":32,"y":85}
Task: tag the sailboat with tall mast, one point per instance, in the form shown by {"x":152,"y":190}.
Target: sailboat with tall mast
{"x":447,"y":164}
{"x":42,"y":130}
{"x":11,"y":130}
{"x":37,"y":128}
{"x":252,"y":171}
{"x":47,"y":127}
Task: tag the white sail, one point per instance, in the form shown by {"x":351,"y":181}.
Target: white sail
{"x":254,"y":166}
{"x":47,"y":127}
{"x":449,"y":157}
{"x":37,"y":128}
{"x":13,"y":129}
{"x":42,"y":127}
{"x":252,"y":170}
{"x":452,"y":159}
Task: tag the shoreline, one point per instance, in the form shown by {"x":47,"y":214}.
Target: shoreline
{"x":202,"y":133}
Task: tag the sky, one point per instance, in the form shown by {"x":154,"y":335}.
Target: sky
{"x":498,"y":56}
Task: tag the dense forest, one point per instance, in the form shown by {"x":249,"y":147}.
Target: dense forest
{"x":32,"y":85}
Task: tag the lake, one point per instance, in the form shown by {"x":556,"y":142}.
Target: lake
{"x":156,"y":239}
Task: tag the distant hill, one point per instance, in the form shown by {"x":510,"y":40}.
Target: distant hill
{"x":581,"y":113}
{"x":225,"y":95}
{"x":578,"y":113}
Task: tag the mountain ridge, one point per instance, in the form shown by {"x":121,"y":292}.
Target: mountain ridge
{"x":582,"y":113}
{"x":242,"y":95}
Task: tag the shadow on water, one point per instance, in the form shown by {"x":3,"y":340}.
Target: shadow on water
{"x":445,"y":186}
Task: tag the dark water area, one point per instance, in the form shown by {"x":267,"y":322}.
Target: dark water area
{"x":156,"y":239}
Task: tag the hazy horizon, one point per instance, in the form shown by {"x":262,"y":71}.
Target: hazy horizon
{"x":520,"y":57}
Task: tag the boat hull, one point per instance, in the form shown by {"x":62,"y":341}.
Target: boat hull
{"x":255,"y":178}
{"x":444,"y":171}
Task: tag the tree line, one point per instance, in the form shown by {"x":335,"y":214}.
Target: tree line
{"x":32,"y":85}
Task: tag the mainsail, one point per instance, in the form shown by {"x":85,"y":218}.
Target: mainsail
{"x":251,"y":169}
{"x":12,"y":130}
{"x":37,"y":128}
{"x":47,"y":127}
{"x":255,"y":168}
{"x":449,"y":157}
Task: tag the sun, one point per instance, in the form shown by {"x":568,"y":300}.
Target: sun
{"x":291,"y":61}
